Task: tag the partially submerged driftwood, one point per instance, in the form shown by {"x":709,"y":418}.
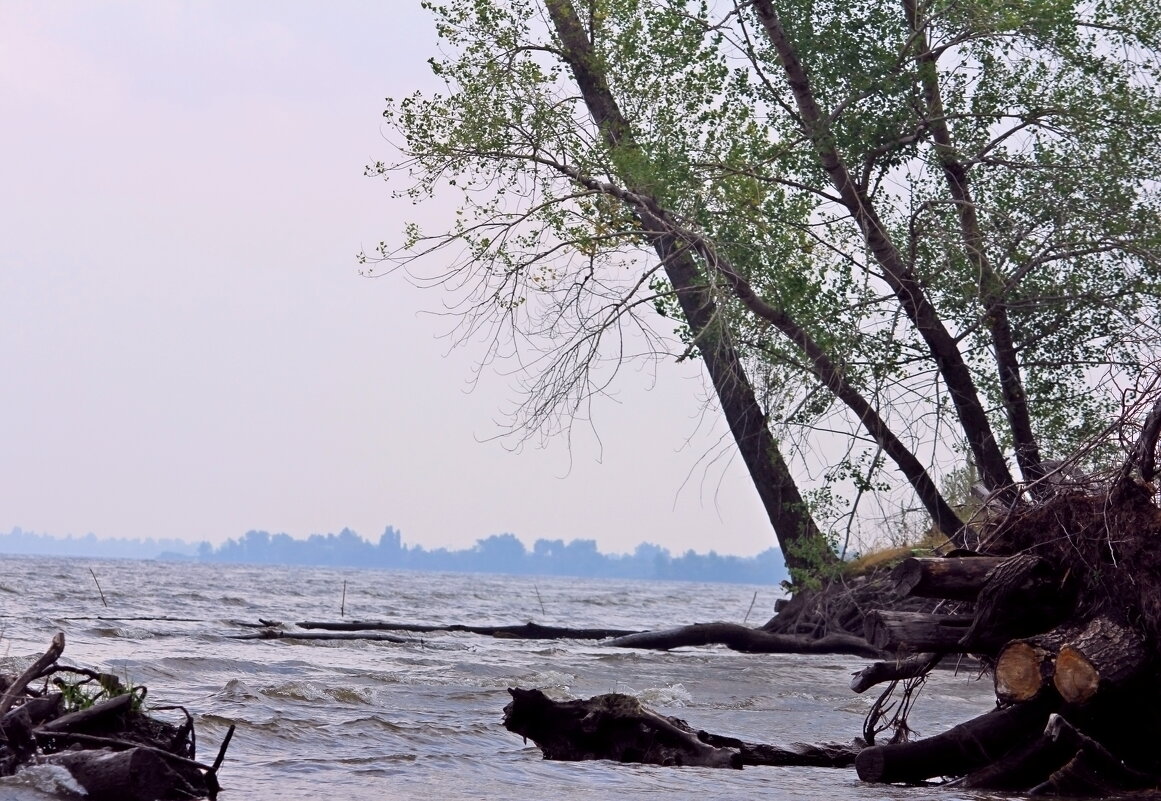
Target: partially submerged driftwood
{"x":112,"y":749}
{"x":1065,"y":612}
{"x":618,"y":727}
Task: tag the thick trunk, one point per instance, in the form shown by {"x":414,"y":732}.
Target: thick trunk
{"x":802,"y":544}
{"x":991,"y":287}
{"x":901,"y":278}
{"x":957,"y":751}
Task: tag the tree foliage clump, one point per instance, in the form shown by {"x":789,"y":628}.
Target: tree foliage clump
{"x":902,"y":234}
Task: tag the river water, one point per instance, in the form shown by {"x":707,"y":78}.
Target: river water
{"x":367,"y":721}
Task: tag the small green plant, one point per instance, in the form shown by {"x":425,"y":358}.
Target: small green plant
{"x":89,"y":687}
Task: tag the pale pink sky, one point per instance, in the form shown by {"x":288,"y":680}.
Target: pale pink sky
{"x":186,"y":347}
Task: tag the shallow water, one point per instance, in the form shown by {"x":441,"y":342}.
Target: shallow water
{"x":366,"y":721}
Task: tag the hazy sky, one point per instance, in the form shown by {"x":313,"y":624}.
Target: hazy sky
{"x":187,"y":349}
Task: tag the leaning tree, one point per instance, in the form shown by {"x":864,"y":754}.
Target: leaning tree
{"x":905,"y":235}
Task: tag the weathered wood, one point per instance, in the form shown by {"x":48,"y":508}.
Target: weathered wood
{"x":815,"y":755}
{"x":1105,"y":654}
{"x":747,"y":640}
{"x":958,"y":750}
{"x":137,"y":774}
{"x":612,"y":726}
{"x":279,"y":634}
{"x":896,"y":670}
{"x":1092,"y":770}
{"x":526,"y":631}
{"x":16,"y":689}
{"x":1023,"y":596}
{"x":96,"y":715}
{"x":915,"y":631}
{"x":957,"y":579}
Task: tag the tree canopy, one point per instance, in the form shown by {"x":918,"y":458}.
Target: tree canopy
{"x":905,"y":235}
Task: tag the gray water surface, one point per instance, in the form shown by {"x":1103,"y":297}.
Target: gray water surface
{"x":367,"y":721}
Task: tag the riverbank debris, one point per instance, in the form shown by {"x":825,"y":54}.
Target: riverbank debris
{"x":97,"y":729}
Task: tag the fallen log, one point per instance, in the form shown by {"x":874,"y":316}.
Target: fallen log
{"x":613,"y":726}
{"x":915,"y":631}
{"x":278,"y":634}
{"x":136,"y":774}
{"x":619,"y":728}
{"x":1092,"y":770}
{"x":957,"y":751}
{"x":952,"y":578}
{"x":1102,"y":656}
{"x":810,"y":755}
{"x":527,"y":631}
{"x":747,"y":640}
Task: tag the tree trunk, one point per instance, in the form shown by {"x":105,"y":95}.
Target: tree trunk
{"x":803,"y":546}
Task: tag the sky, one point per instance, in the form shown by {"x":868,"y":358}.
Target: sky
{"x":187,"y":348}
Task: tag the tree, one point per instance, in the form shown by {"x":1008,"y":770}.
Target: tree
{"x":924,"y":231}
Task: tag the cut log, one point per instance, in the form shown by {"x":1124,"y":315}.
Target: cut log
{"x":958,"y":751}
{"x":747,"y":640}
{"x":915,"y":631}
{"x":957,"y":579}
{"x":1024,"y":668}
{"x":1104,"y":655}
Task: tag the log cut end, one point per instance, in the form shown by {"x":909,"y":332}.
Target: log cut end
{"x":1022,"y":670}
{"x":1076,"y":679}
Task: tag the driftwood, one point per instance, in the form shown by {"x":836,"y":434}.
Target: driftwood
{"x":732,"y":635}
{"x":619,"y":728}
{"x":897,"y":670}
{"x":741,"y":638}
{"x":112,"y":749}
{"x":526,"y":631}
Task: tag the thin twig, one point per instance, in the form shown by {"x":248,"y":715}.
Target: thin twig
{"x":94,"y":575}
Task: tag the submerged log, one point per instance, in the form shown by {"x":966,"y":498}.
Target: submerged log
{"x":526,"y":631}
{"x":747,"y":640}
{"x":619,"y":728}
{"x":1102,"y":656}
{"x":915,"y":631}
{"x":610,"y":726}
{"x":958,"y":750}
{"x":137,"y":774}
{"x":953,"y":578}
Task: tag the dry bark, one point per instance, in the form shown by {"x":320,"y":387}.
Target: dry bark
{"x":959,"y":579}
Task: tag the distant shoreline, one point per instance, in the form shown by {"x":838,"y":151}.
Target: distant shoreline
{"x":497,"y":554}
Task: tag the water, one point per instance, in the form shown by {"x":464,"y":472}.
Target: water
{"x":367,"y":721}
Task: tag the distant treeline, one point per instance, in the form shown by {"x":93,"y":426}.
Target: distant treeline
{"x":500,"y":553}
